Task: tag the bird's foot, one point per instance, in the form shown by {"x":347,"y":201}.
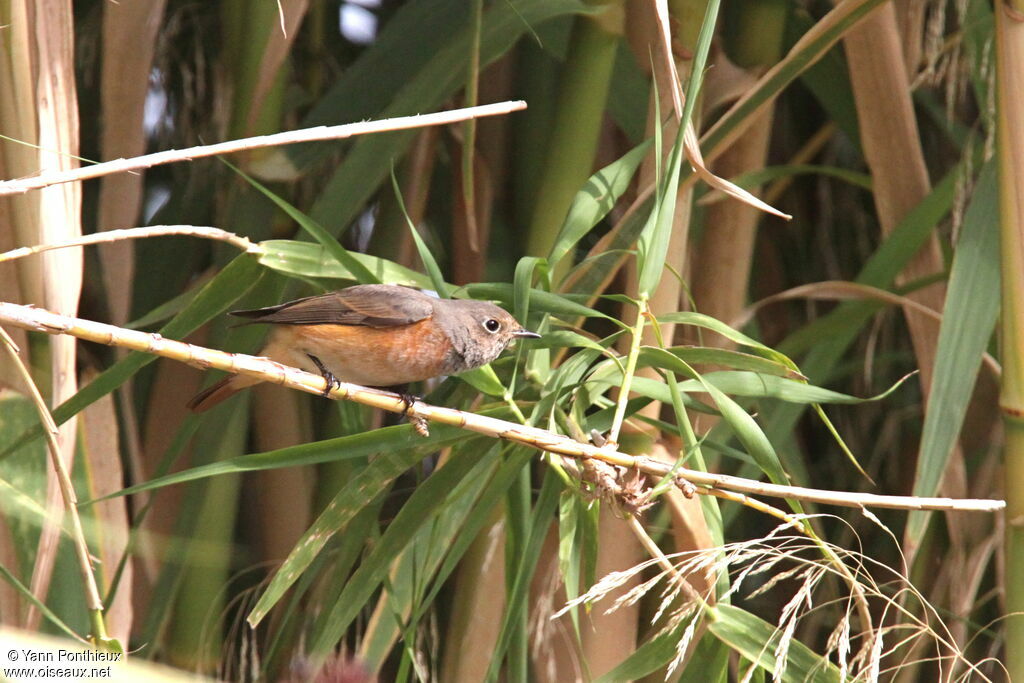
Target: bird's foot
{"x":332,"y":381}
{"x":408,"y":400}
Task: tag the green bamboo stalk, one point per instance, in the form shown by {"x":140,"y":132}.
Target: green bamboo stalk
{"x":536,"y":76}
{"x":577,"y":124}
{"x":1010,"y":149}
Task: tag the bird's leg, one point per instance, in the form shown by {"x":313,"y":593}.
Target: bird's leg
{"x":407,"y":399}
{"x":332,"y":381}
{"x":417,"y":422}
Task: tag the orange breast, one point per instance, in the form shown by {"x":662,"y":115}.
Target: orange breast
{"x":364,"y":355}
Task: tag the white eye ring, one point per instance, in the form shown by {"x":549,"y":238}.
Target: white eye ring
{"x":492,"y":325}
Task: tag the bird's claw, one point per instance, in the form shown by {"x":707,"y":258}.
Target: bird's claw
{"x":332,"y":381}
{"x":408,"y":400}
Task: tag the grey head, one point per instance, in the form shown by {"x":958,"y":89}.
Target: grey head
{"x":478,"y":331}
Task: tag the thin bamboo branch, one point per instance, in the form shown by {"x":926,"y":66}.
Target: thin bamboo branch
{"x":39,"y":320}
{"x":205,"y":232}
{"x":47,"y":178}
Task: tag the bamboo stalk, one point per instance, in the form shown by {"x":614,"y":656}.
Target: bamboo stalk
{"x":55,"y":105}
{"x":39,"y":320}
{"x":755,"y":43}
{"x":575,"y":130}
{"x":1010,"y":136}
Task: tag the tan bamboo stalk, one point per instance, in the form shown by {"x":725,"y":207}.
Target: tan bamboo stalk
{"x":49,"y":58}
{"x":391,"y":238}
{"x":108,"y":525}
{"x":39,"y":320}
{"x":165,"y":411}
{"x":478,"y":610}
{"x":571,"y":151}
{"x":651,"y":50}
{"x":554,"y":650}
{"x":892,"y":148}
{"x":1010,"y":136}
{"x":285,"y":508}
{"x":723,"y":262}
{"x":129,"y":42}
{"x":128,"y":49}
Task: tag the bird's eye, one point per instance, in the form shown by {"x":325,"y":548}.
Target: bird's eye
{"x":492,"y":325}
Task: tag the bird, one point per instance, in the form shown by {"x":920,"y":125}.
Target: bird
{"x":377,"y":336}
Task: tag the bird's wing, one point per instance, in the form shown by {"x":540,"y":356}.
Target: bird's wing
{"x":371,"y":306}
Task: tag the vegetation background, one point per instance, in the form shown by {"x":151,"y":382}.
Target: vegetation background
{"x":890,"y":132}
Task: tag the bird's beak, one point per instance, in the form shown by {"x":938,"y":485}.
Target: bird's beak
{"x":525,"y":334}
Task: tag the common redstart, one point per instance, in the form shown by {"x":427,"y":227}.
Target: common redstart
{"x":375,"y":335}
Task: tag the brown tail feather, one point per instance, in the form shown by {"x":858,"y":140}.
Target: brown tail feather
{"x":222,"y":390}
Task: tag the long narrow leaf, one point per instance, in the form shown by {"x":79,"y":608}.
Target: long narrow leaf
{"x":972,"y":304}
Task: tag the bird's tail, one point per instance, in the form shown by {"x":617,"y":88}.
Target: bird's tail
{"x":220,"y":391}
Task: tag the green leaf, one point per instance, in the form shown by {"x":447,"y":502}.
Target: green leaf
{"x":972,"y":304}
{"x":652,"y":247}
{"x":484,"y":380}
{"x":560,"y":339}
{"x":399,"y":437}
{"x":17,"y":505}
{"x":168,"y":309}
{"x":424,"y":503}
{"x":595,"y":200}
{"x":522,"y":283}
{"x":763,"y":176}
{"x":742,"y":383}
{"x":429,"y":262}
{"x":700,"y":60}
{"x":736,"y":383}
{"x":22,"y":480}
{"x":743,"y":425}
{"x":43,"y":609}
{"x":359,"y":533}
{"x":515,"y":460}
{"x":648,"y":658}
{"x":306,"y":259}
{"x":361,"y":489}
{"x":421,"y":557}
{"x":733,"y":335}
{"x":566,"y":307}
{"x":593,"y":273}
{"x":570,"y":544}
{"x":316,"y":231}
{"x":734,"y":359}
{"x":756,"y":639}
{"x":524,"y":566}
